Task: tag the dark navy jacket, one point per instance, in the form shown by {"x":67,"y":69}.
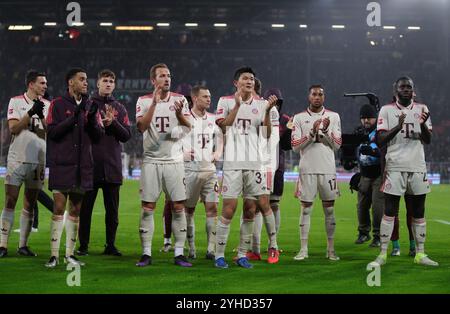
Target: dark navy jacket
{"x":69,"y":148}
{"x":107,"y":151}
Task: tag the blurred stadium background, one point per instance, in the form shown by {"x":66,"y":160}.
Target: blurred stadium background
{"x":290,"y":44}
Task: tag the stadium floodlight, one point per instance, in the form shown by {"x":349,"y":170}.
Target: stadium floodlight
{"x":106,"y":24}
{"x":162,"y":24}
{"x":389,"y":27}
{"x":191,"y":24}
{"x":303,"y":26}
{"x":414,"y":28}
{"x":220,"y":25}
{"x":20,"y":27}
{"x":50,"y":24}
{"x":338,"y":26}
{"x":77,"y":24}
{"x":134,"y":28}
{"x":277,"y":25}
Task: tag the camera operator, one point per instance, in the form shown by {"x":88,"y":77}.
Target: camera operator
{"x":369,"y":194}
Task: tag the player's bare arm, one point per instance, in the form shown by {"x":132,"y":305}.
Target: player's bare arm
{"x":143,"y":123}
{"x":229,"y":120}
{"x":267,"y":125}
{"x":16,"y":126}
{"x":383,"y":137}
{"x":179,"y":114}
{"x":425,"y":133}
{"x":218,"y":147}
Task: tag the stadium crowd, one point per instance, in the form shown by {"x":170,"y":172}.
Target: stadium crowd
{"x":290,"y":62}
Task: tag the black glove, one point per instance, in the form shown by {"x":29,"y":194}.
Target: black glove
{"x":38,"y":107}
{"x":366,"y":150}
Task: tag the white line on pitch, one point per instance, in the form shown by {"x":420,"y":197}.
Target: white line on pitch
{"x":443,"y":222}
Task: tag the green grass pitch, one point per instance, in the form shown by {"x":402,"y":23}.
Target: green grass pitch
{"x":105,"y":274}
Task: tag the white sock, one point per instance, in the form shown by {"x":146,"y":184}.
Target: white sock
{"x":245,"y":237}
{"x":179,"y":229}
{"x":223,"y":230}
{"x":211,"y":233}
{"x":146,"y":229}
{"x":420,"y":233}
{"x":66,"y":214}
{"x":330,"y":226}
{"x":305,"y":224}
{"x":167,"y":241}
{"x":26,"y":221}
{"x":71,"y":233}
{"x":190,"y":230}
{"x":56,"y":228}
{"x":256,"y":236}
{"x":277,"y":216}
{"x":386,"y":228}
{"x":269,"y":221}
{"x":7,"y":224}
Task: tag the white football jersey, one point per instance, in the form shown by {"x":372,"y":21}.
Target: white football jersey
{"x":29,"y":145}
{"x":162,"y":141}
{"x":243,"y":138}
{"x":198,"y":145}
{"x":405,"y":151}
{"x":316,"y":153}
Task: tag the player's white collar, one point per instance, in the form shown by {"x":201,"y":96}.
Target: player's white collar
{"x":249,"y":101}
{"x":27,"y":99}
{"x":322,"y":112}
{"x":167,"y":98}
{"x":410,"y":106}
{"x":196,"y":116}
